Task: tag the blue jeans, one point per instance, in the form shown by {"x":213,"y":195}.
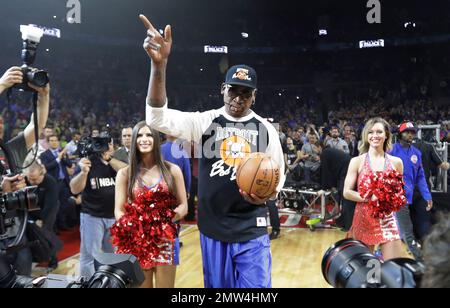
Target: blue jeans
{"x":95,"y":239}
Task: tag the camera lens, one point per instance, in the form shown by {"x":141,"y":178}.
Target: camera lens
{"x":345,"y":264}
{"x":108,"y":277}
{"x":21,"y":199}
{"x":39,"y":78}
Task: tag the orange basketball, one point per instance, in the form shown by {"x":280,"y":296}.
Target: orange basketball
{"x":258,"y":174}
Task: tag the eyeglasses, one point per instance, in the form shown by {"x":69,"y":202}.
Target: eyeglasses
{"x":246,"y":94}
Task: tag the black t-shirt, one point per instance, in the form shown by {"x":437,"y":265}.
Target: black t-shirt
{"x":291,"y":155}
{"x":298,"y":143}
{"x":98,"y":195}
{"x":223,"y":213}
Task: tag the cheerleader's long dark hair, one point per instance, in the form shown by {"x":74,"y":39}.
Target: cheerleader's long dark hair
{"x":136,"y":160}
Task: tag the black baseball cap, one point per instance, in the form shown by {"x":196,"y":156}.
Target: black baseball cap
{"x":241,"y":75}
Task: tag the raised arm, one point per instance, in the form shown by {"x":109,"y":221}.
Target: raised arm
{"x":185,"y":125}
{"x":43,"y":106}
{"x":158,"y":49}
{"x":78,"y":183}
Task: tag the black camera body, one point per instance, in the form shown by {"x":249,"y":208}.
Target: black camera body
{"x":111,"y":271}
{"x":93,"y":146}
{"x":31,"y":37}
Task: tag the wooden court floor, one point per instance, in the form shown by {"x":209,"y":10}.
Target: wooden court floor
{"x":296,"y":258}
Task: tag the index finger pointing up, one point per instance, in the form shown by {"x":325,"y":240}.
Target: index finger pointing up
{"x":147,"y":22}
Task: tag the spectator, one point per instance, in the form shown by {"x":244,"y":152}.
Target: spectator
{"x":123,"y":152}
{"x":336,"y":142}
{"x":311,"y":153}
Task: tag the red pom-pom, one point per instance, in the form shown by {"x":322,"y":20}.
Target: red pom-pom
{"x":388,"y":188}
{"x":147,"y":227}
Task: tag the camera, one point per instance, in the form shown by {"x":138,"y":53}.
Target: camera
{"x":89,"y":146}
{"x":11,"y":205}
{"x":31,"y":37}
{"x":111,"y":271}
{"x":350,"y":264}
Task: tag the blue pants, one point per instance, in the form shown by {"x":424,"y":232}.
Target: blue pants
{"x":420,"y":217}
{"x":236,"y":265}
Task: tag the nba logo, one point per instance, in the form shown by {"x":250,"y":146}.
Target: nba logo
{"x":93,"y":184}
{"x":261,"y":222}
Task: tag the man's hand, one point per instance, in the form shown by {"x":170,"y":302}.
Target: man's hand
{"x":62,"y":153}
{"x":11,"y":77}
{"x":39,"y":223}
{"x":444,"y":166}
{"x":429,"y":205}
{"x":106,"y":156}
{"x":254,"y":199}
{"x":42,"y":91}
{"x":85,"y":165}
{"x":156,"y":46}
{"x":13,"y":183}
{"x":77,"y":199}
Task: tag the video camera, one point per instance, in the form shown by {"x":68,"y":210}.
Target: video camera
{"x":31,"y":37}
{"x":89,"y":146}
{"x":350,"y":264}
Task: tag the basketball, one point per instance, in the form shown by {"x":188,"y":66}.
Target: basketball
{"x":258,"y":174}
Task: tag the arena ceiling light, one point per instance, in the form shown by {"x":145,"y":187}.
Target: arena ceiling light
{"x":409,"y":24}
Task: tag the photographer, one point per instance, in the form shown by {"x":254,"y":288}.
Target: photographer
{"x":96,"y":182}
{"x":47,"y":192}
{"x":18,"y":147}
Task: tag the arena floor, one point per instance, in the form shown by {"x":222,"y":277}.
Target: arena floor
{"x":296,"y":258}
